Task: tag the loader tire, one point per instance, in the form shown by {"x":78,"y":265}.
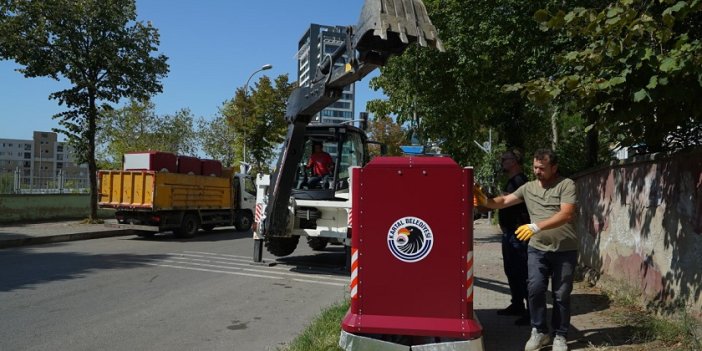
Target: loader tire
{"x":317,"y":244}
{"x":188,"y":228}
{"x":281,"y":246}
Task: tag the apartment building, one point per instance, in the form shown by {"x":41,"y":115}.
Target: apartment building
{"x":42,"y":162}
{"x":317,"y":42}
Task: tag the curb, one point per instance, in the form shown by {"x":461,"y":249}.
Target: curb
{"x":63,"y":237}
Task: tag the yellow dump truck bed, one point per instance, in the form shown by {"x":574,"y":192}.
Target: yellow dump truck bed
{"x":163,"y":191}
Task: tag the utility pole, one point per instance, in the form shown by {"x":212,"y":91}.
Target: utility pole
{"x":487,"y":148}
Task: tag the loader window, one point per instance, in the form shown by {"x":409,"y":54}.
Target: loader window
{"x":351,"y":154}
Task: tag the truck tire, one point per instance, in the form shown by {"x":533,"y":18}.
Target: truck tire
{"x":243,"y":221}
{"x":188,"y":228}
{"x":317,"y":244}
{"x":281,"y":246}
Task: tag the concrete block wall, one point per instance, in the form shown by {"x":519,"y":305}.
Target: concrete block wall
{"x":640,"y":222}
{"x":38,"y":208}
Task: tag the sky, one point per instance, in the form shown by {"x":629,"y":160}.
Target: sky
{"x":213,"y":46}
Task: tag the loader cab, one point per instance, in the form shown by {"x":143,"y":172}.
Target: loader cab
{"x":346,"y":145}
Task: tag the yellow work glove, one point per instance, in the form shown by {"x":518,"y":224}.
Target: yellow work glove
{"x":479,"y":197}
{"x":526,"y":231}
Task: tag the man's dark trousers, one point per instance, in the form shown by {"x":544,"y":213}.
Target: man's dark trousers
{"x":559,"y":267}
{"x":514,"y":255}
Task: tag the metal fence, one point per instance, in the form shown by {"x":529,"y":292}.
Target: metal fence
{"x":17,"y":183}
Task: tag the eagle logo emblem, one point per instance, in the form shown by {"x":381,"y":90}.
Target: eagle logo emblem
{"x":410,"y":239}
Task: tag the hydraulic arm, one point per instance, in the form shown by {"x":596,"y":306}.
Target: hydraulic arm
{"x":385,"y":28}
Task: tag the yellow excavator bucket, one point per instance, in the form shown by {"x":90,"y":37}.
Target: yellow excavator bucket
{"x":387,"y":27}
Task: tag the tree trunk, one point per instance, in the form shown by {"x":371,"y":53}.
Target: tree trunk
{"x":92,"y":165}
{"x":592,"y":140}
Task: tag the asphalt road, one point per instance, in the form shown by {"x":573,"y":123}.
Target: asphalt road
{"x":126,"y":293}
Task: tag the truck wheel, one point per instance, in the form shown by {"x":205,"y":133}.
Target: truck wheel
{"x":243,"y":221}
{"x":281,"y":246}
{"x":317,"y":244}
{"x":188,"y":228}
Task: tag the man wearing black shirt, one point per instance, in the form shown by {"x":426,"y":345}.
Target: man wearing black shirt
{"x":514,"y":251}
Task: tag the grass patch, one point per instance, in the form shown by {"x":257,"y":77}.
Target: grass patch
{"x":679,"y":330}
{"x":323,"y":333}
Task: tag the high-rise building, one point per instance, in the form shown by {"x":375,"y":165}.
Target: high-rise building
{"x":41,"y":163}
{"x":317,"y":42}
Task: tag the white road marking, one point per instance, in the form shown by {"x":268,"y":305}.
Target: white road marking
{"x":234,"y":265}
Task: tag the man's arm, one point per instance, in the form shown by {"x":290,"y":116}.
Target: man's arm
{"x":497,"y":202}
{"x":503,"y":201}
{"x":562,"y":217}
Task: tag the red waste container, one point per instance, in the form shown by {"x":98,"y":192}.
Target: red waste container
{"x":150,"y":161}
{"x":189,"y":165}
{"x":412,"y":249}
{"x":211,"y":168}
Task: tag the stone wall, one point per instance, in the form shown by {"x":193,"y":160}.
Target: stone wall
{"x":641,"y":225}
{"x":38,"y":208}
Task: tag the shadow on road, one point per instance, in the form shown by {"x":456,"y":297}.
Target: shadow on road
{"x":331,"y":260}
{"x":23,"y":269}
{"x":220,"y":234}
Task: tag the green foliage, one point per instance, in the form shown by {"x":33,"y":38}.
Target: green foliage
{"x":457,"y":94}
{"x":97,"y":46}
{"x":136,"y":127}
{"x":388,"y":132}
{"x":323,"y":333}
{"x":635,"y":65}
{"x":257,"y":119}
{"x":488,"y":171}
{"x":7,"y":185}
{"x":217,"y":139}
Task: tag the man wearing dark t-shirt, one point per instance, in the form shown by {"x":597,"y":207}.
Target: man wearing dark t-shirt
{"x":514,"y":251}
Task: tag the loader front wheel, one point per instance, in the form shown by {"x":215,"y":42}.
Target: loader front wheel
{"x":317,"y":244}
{"x":281,"y":246}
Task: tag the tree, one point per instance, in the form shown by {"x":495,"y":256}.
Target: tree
{"x":96,"y":45}
{"x":633,"y":67}
{"x":384,"y":130}
{"x":136,"y":127}
{"x":258,"y":119}
{"x":457,"y":94}
{"x":218,"y":139}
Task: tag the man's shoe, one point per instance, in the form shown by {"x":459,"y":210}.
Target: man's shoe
{"x":560,"y":343}
{"x":525,"y":319}
{"x":512,"y":310}
{"x":537,"y":340}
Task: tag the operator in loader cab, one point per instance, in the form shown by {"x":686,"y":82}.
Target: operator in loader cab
{"x":321,"y":164}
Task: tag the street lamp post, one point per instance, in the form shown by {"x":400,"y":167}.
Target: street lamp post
{"x":246,"y":97}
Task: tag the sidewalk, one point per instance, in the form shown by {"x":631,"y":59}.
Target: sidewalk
{"x":13,"y":235}
{"x":591,"y":327}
